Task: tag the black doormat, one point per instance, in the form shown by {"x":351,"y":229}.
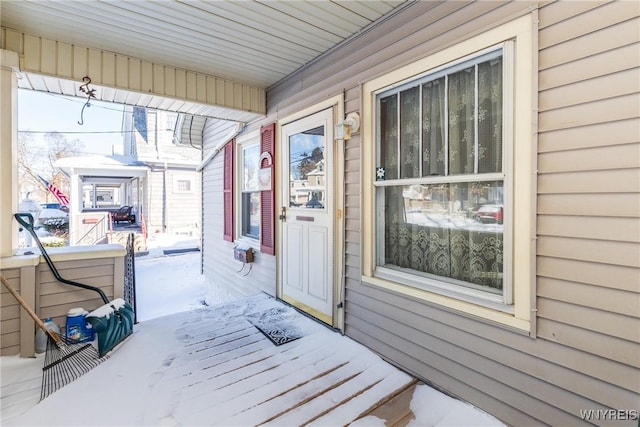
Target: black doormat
{"x":278,"y":324}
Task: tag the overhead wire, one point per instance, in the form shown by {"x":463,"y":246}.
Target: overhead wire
{"x":84,"y":132}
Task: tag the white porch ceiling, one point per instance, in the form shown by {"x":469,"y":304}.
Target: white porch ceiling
{"x":252,"y":42}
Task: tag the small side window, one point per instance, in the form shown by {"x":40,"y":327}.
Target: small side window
{"x":250,"y":193}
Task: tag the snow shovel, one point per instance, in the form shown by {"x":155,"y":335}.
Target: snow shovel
{"x":64,"y":361}
{"x":111,"y":322}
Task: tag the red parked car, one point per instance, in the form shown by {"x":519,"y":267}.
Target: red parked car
{"x":490,"y":214}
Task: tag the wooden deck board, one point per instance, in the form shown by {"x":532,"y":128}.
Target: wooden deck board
{"x":395,"y":411}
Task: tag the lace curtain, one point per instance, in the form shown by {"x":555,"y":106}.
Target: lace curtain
{"x":469,"y":255}
{"x":433,"y":127}
{"x":448,"y":125}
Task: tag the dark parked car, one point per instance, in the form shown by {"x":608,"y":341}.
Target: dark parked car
{"x":490,"y":214}
{"x":124,"y":214}
{"x":54,"y":206}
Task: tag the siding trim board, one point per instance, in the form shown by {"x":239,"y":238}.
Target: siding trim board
{"x":604,"y":275}
{"x":607,"y":347}
{"x":589,"y":21}
{"x":596,"y":228}
{"x":617,"y":253}
{"x":606,"y":63}
{"x":601,"y":111}
{"x":603,"y":322}
{"x":622,"y":158}
{"x":620,"y":35}
{"x":607,"y":86}
{"x":609,"y":300}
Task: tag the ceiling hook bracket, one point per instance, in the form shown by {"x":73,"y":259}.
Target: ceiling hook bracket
{"x":91,"y":93}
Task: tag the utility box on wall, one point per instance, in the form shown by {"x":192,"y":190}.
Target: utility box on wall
{"x":242,"y":254}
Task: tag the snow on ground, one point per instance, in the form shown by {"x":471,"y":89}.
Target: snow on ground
{"x":156,"y":285}
{"x":118,"y":392}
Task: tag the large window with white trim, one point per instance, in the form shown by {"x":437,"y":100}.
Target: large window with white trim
{"x":441,"y":176}
{"x":448,"y":183}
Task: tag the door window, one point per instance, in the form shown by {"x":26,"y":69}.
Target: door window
{"x":307,"y":188}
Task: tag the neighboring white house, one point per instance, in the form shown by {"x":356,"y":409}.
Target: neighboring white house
{"x":169,"y":144}
{"x":156,"y":174}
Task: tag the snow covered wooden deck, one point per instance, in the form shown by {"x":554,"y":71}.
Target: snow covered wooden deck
{"x":211,"y":366}
{"x":231,"y":374}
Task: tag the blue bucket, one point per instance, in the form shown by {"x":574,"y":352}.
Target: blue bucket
{"x":77,"y":329}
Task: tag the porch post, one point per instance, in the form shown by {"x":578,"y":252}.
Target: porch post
{"x":75,"y":207}
{"x":9,"y":63}
{"x":76,"y":194}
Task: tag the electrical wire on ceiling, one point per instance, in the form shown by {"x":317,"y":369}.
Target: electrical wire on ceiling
{"x":83,"y":132}
{"x":78,"y":101}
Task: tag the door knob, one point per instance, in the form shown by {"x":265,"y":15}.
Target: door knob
{"x":283,"y":214}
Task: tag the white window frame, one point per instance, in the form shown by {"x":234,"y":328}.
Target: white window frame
{"x":242,"y":142}
{"x":446,"y":286}
{"x":514,"y":309}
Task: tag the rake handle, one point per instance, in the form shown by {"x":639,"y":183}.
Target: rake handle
{"x":26,"y":220}
{"x":29,"y":311}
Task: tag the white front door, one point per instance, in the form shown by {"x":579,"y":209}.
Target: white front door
{"x":306,"y":214}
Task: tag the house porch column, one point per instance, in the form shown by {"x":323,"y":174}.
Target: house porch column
{"x":9,"y":65}
{"x":75,"y":190}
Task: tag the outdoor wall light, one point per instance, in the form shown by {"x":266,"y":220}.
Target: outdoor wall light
{"x":345,"y":128}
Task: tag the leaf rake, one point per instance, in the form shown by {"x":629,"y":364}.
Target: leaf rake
{"x":64,"y":360}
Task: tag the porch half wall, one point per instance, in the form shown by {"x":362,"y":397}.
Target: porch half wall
{"x":585,"y":354}
{"x":101,"y":266}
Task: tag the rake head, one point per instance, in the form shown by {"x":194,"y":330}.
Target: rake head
{"x":65,"y":361}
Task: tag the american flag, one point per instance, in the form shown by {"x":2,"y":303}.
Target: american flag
{"x":59,"y":195}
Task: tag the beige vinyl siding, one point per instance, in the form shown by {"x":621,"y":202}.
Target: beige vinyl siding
{"x":10,"y":314}
{"x":55,"y":298}
{"x":586,"y":354}
{"x":221,"y":270}
{"x":589,"y":181}
{"x":545,"y":381}
{"x":352,"y":159}
{"x":49,"y":298}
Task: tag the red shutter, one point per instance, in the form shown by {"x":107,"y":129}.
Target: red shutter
{"x":267,"y":197}
{"x":227,"y":191}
